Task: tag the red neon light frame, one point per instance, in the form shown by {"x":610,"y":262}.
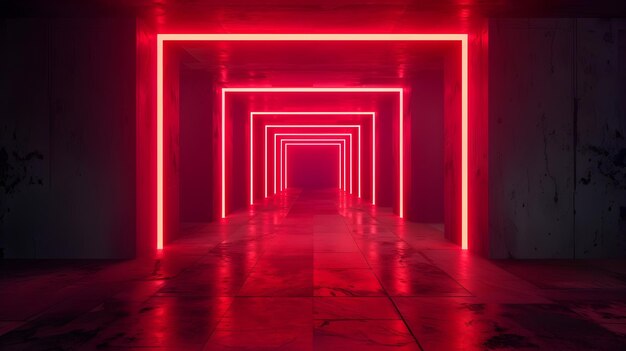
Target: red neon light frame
{"x":320,"y":113}
{"x":349,"y":135}
{"x":399,"y":91}
{"x":461,"y":38}
{"x":310,"y":141}
{"x":357,"y":126}
{"x":310,"y":144}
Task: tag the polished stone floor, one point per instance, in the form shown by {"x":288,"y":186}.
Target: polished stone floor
{"x":313,"y":270}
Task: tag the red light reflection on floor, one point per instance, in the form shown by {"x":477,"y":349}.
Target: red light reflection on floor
{"x":312,"y":270}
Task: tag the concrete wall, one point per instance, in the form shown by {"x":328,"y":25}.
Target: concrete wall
{"x":452,"y":147}
{"x":171,"y":143}
{"x":196,"y":146}
{"x":68,"y":130}
{"x":478,"y":153}
{"x":425,"y":198}
{"x":600,"y":221}
{"x":67,"y":138}
{"x":556,"y":174}
{"x":146,"y":138}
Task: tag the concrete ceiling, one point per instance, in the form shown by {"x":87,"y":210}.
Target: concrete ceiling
{"x":396,"y":9}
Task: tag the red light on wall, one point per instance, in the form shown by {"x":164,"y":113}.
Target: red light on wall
{"x":461,"y":38}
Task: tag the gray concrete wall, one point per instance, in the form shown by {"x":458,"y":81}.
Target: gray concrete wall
{"x":67,"y":138}
{"x":555,"y":175}
{"x":600,"y":221}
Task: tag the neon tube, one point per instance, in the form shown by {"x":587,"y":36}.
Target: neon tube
{"x":336,"y":90}
{"x":464,"y":143}
{"x":373,"y":161}
{"x":251,"y":160}
{"x":159,"y":147}
{"x":296,"y":144}
{"x":223,"y":137}
{"x":276,"y":135}
{"x":325,"y":134}
{"x":357,"y":126}
{"x":324,"y":139}
{"x":401,"y":156}
{"x":161,"y":38}
{"x":320,"y":113}
{"x":283,"y":170}
{"x":292,"y":140}
{"x":309,"y":144}
{"x":313,"y":37}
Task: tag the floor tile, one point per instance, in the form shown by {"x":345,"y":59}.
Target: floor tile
{"x":312,"y":270}
{"x":339,"y":260}
{"x":418,"y":279}
{"x":268,"y":282}
{"x":363,"y":335}
{"x":346,"y":282}
{"x":354,"y":308}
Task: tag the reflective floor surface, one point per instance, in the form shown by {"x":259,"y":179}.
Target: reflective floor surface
{"x":313,"y":270}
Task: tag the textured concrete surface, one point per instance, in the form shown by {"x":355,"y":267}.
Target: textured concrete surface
{"x":556,"y":138}
{"x":67,"y":138}
{"x":601,"y":139}
{"x":313,"y":270}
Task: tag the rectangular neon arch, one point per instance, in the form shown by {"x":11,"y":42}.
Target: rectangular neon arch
{"x":310,"y":134}
{"x":267,"y":127}
{"x":320,"y":135}
{"x":311,"y":144}
{"x":276,"y":135}
{"x":319,"y":113}
{"x":461,"y":38}
{"x":310,"y":141}
{"x":398,"y":91}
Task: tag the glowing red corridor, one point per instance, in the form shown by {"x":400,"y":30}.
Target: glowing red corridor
{"x":307,"y":175}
